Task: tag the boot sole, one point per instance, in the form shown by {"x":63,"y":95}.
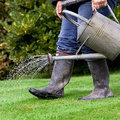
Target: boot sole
{"x":46,"y":95}
{"x":94,"y":98}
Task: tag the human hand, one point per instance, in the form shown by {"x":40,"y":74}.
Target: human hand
{"x":59,"y":9}
{"x":98,"y":4}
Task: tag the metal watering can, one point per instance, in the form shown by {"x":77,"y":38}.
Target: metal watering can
{"x":101,"y":34}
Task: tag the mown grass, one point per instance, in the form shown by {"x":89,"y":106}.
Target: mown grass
{"x":17,"y":104}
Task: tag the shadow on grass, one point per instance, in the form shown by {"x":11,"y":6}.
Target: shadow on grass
{"x":81,"y":93}
{"x":116,"y":90}
{"x":73,"y":94}
{"x":77,"y":93}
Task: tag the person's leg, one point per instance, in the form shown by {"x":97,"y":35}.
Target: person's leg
{"x":98,"y":68}
{"x":100,"y":75}
{"x":62,"y":69}
{"x":61,"y":74}
{"x":67,"y":41}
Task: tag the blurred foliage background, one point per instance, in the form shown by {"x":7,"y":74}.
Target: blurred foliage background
{"x":30,"y":27}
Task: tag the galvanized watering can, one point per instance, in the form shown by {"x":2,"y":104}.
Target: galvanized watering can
{"x":101,"y":34}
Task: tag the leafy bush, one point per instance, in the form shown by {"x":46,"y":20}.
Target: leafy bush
{"x":34,"y":29}
{"x":4,"y":56}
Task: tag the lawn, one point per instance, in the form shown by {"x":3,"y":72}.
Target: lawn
{"x":17,"y":104}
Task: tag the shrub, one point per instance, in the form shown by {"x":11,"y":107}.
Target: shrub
{"x":34,"y":29}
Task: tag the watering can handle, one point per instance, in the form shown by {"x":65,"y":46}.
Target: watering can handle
{"x":112,"y":13}
{"x":64,"y":12}
{"x":82,"y":18}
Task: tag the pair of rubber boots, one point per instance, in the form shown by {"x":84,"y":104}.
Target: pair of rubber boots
{"x":61,"y":74}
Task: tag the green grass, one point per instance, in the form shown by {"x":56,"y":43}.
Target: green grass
{"x":17,"y":104}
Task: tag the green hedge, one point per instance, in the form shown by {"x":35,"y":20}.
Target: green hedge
{"x":32,"y":28}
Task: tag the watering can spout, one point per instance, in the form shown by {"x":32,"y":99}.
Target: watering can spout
{"x":51,"y":58}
